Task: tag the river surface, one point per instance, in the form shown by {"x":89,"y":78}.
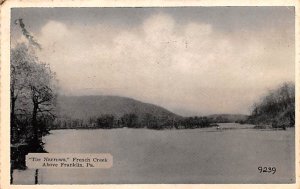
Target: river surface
{"x":231,"y":154}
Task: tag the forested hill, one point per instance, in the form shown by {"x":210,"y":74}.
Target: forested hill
{"x":84,"y":107}
{"x":277,"y":108}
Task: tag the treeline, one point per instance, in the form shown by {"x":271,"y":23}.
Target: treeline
{"x":277,"y":108}
{"x":220,"y":119}
{"x":108,"y":121}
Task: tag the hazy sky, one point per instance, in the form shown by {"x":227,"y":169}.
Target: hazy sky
{"x":193,"y":61}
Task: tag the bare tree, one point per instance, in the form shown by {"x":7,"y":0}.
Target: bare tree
{"x":20,"y":70}
{"x":42,"y":93}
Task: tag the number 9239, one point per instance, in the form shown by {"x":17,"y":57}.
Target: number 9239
{"x":266,"y":169}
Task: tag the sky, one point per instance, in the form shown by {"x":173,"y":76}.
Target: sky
{"x":190,"y":60}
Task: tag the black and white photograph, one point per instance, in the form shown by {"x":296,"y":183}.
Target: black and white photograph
{"x":166,"y":95}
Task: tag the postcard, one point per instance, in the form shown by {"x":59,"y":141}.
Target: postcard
{"x":149,"y":94}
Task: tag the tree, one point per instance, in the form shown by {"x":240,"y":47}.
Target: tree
{"x":32,"y":92}
{"x":42,"y":93}
{"x":151,"y":121}
{"x":105,"y":121}
{"x":20,"y":62}
{"x":276,"y":108}
{"x":130,"y":120}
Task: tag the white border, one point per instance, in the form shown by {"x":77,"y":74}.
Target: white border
{"x":5,"y":97}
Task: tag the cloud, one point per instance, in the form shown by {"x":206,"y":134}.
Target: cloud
{"x":190,"y":66}
{"x":55,"y":30}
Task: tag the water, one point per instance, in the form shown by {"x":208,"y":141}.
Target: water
{"x":173,"y":156}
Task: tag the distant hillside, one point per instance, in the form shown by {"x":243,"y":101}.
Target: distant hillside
{"x":228,"y":117}
{"x":84,"y":107}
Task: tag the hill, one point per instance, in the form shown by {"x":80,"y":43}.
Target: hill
{"x":84,"y":107}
